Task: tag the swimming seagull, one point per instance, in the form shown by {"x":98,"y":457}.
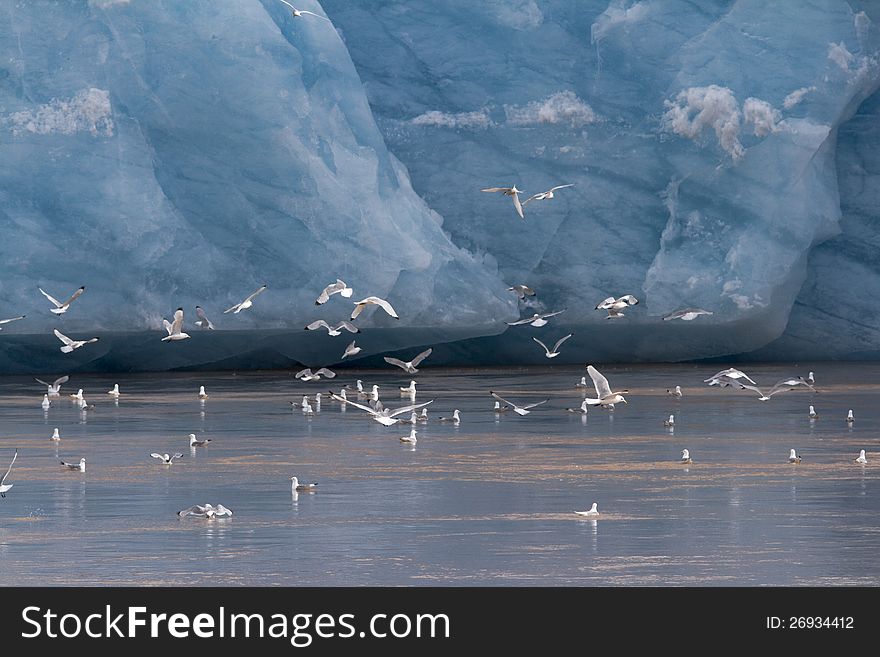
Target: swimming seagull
{"x":519,"y":410}
{"x":582,"y":383}
{"x":410,"y":439}
{"x":76,"y":396}
{"x":308,"y":375}
{"x":862,"y":459}
{"x":206,"y":511}
{"x":202,"y":393}
{"x":582,"y":410}
{"x":686,"y":456}
{"x":175,"y":328}
{"x":409,"y":390}
{"x":810,"y":378}
{"x":333,"y":330}
{"x":372,"y":301}
{"x":522,"y":291}
{"x":54,"y":388}
{"x":604,"y":395}
{"x":543,"y":196}
{"x":455,"y":419}
{"x":70,"y":345}
{"x":536,"y":320}
{"x":203,"y":322}
{"x":793,"y":457}
{"x":115,"y":392}
{"x":296,"y":486}
{"x":670,"y":422}
{"x":61,"y":308}
{"x":81,"y":466}
{"x":409,"y":366}
{"x":45,"y":403}
{"x":675,"y":393}
{"x":509,"y":191}
{"x":299,"y":12}
{"x":339,"y":287}
{"x":193,"y":442}
{"x":594,"y":511}
{"x":813,"y":414}
{"x":4,"y":487}
{"x":247,"y":303}
{"x":687,"y":314}
{"x":731,"y":373}
{"x":384,"y":416}
{"x":615,"y":306}
{"x":11,"y":319}
{"x":555,"y":352}
{"x":56,"y":435}
{"x":351,"y":350}
{"x":165,"y":458}
{"x":849,"y":416}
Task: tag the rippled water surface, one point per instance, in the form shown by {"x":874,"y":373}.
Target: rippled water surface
{"x":488,"y":502}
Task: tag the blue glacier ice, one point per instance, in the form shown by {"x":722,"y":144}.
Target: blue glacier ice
{"x":168,"y":154}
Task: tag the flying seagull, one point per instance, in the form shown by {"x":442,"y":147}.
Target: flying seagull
{"x":203,"y":322}
{"x":175,"y":328}
{"x":604,"y":394}
{"x":522,"y":291}
{"x":339,"y":287}
{"x":543,"y":196}
{"x":296,"y":486}
{"x":593,"y":511}
{"x":165,"y":458}
{"x":519,"y":410}
{"x":616,"y":306}
{"x":11,"y":319}
{"x":247,"y":303}
{"x":372,"y":301}
{"x":61,"y":308}
{"x":509,"y":191}
{"x":385,"y":416}
{"x":537,"y":320}
{"x":351,"y":350}
{"x":206,"y":511}
{"x":70,"y":345}
{"x":54,"y":388}
{"x":409,"y":366}
{"x":308,"y":375}
{"x":687,"y":314}
{"x":299,"y":12}
{"x":555,"y":352}
{"x":731,"y":373}
{"x":4,"y":487}
{"x":333,"y":330}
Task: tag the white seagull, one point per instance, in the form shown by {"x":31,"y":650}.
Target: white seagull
{"x":455,"y":419}
{"x":11,"y":319}
{"x":203,"y":322}
{"x":77,"y":396}
{"x":45,"y":403}
{"x":675,"y":393}
{"x":536,"y":320}
{"x":333,"y":330}
{"x":522,"y":291}
{"x":670,"y":422}
{"x":519,"y":410}
{"x":372,"y":301}
{"x":593,"y":511}
{"x":582,"y":383}
{"x":687,"y":314}
{"x":849,"y":416}
{"x":555,"y":352}
{"x":810,"y":378}
{"x":604,"y":395}
{"x":351,"y":350}
{"x":247,"y":303}
{"x":56,"y":435}
{"x":410,"y":439}
{"x":81,"y":466}
{"x":202,"y":393}
{"x":862,"y":459}
{"x":583,"y":410}
{"x":409,"y":366}
{"x":793,"y":457}
{"x":509,"y":191}
{"x":409,"y":390}
{"x":296,"y":486}
{"x":501,"y":408}
{"x":384,"y":416}
{"x":54,"y":388}
{"x":543,"y":196}
{"x":299,"y":12}
{"x":194,"y":442}
{"x":615,"y":306}
{"x":206,"y":511}
{"x":115,"y":392}
{"x":70,"y":345}
{"x":61,"y":308}
{"x":165,"y":458}
{"x":339,"y":287}
{"x":308,"y":375}
{"x":813,"y":414}
{"x":175,"y":328}
{"x":4,"y":487}
{"x":686,"y":456}
{"x":731,"y":373}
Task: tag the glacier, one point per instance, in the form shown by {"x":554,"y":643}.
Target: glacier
{"x":169,"y":154}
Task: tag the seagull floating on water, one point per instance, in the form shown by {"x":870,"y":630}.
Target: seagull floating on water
{"x":810,"y":378}
{"x":519,"y":410}
{"x":522,"y":291}
{"x":61,"y":308}
{"x":409,"y":366}
{"x":849,"y":416}
{"x":45,"y":403}
{"x":339,"y":287}
{"x":194,"y":442}
{"x":56,"y":435}
{"x":54,"y":388}
{"x":206,"y":511}
{"x":409,"y":390}
{"x":543,"y":196}
{"x":203,"y":322}
{"x":582,"y":383}
{"x":202,"y":393}
{"x":686,"y":456}
{"x":813,"y":414}
{"x":81,"y":466}
{"x":165,"y":458}
{"x":115,"y":392}
{"x":308,"y":375}
{"x":296,"y":486}
{"x":670,"y":422}
{"x":687,"y":314}
{"x":372,"y":301}
{"x":615,"y":306}
{"x":793,"y":457}
{"x":70,"y":345}
{"x":862,"y":458}
{"x":4,"y":487}
{"x":583,"y":410}
{"x":333,"y":330}
{"x":604,"y":395}
{"x":536,"y":320}
{"x":410,"y":439}
{"x":555,"y":352}
{"x":247,"y":303}
{"x":175,"y":328}
{"x":593,"y":511}
{"x":509,"y":191}
{"x":455,"y":419}
{"x":675,"y":392}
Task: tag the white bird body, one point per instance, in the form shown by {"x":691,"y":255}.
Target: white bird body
{"x":206,"y":511}
{"x":813,"y":414}
{"x":45,"y":403}
{"x":77,"y":396}
{"x":519,"y":410}
{"x":670,"y":422}
{"x":582,"y":383}
{"x":115,"y":392}
{"x":686,"y":456}
{"x":512,"y":192}
{"x":384,"y":416}
{"x":351,"y":350}
{"x":333,"y":330}
{"x":793,"y":457}
{"x":593,"y":511}
{"x":295,"y":485}
{"x":616,"y":306}
{"x":538,"y":319}
{"x":298,"y":13}
{"x":410,"y":439}
{"x":676,"y":392}
{"x":54,"y":389}
{"x":583,"y":410}
{"x":687,"y":314}
{"x":849,"y":416}
{"x":81,"y":466}
{"x":61,"y":308}
{"x":409,"y":366}
{"x":501,"y":408}
{"x":166,"y":459}
{"x":308,"y":375}
{"x":862,"y":458}
{"x":339,"y":287}
{"x":56,"y":435}
{"x":246,"y":303}
{"x":69,"y":344}
{"x":175,"y":328}
{"x":10,"y":319}
{"x":409,"y":390}
{"x":194,"y":442}
{"x":455,"y":419}
{"x":522,"y":291}
{"x":423,"y":416}
{"x":604,"y":395}
{"x":202,"y":393}
{"x":543,"y":196}
{"x":203,"y":322}
{"x":730,"y":373}
{"x":372,"y":301}
{"x":555,"y":351}
{"x":811,"y":379}
{"x":4,"y":487}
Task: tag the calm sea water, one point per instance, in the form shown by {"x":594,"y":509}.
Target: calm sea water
{"x":488,"y":502}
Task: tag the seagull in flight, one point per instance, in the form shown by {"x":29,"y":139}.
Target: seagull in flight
{"x":11,"y":319}
{"x":409,"y":366}
{"x":299,"y":12}
{"x":203,"y":322}
{"x":81,"y":466}
{"x":247,"y":303}
{"x":555,"y":352}
{"x":54,"y":388}
{"x":604,"y":394}
{"x":593,"y":511}
{"x":206,"y":511}
{"x":61,"y":308}
{"x":519,"y":410}
{"x":372,"y":301}
{"x":351,"y":350}
{"x":295,"y":485}
{"x":537,"y":320}
{"x":522,"y":291}
{"x":308,"y":375}
{"x":731,"y":373}
{"x":194,"y":442}
{"x":4,"y":487}
{"x":165,"y":458}
{"x":509,"y":191}
{"x":339,"y":287}
{"x":385,"y":416}
{"x":687,"y":314}
{"x":543,"y":196}
{"x":70,"y":345}
{"x":615,"y":306}
{"x":175,"y":328}
{"x":333,"y":330}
